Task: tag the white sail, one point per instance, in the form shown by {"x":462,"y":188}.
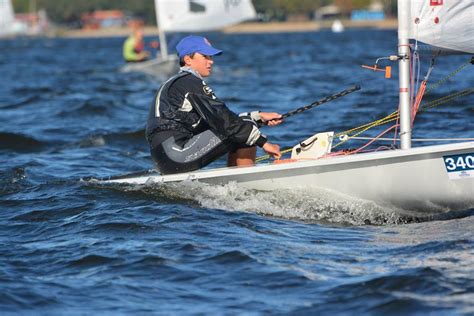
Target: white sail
{"x":447,"y":24}
{"x":201,"y":15}
{"x":7,"y":18}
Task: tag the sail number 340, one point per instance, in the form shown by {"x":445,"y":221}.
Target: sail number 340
{"x":459,"y":162}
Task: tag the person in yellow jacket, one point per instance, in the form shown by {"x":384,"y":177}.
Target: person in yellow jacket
{"x":133,"y":48}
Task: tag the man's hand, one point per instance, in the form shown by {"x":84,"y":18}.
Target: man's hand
{"x":272,"y":149}
{"x":271,"y":118}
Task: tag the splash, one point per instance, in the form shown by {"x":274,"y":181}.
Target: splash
{"x":309,"y":205}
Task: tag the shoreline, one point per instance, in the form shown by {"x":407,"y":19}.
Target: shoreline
{"x":243,"y":28}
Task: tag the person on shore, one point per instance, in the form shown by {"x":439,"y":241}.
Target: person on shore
{"x":188,"y":127}
{"x":133,"y":47}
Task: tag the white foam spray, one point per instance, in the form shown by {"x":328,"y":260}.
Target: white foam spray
{"x":314,"y":205}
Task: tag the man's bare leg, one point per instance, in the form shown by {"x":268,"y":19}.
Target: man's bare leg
{"x":242,"y":157}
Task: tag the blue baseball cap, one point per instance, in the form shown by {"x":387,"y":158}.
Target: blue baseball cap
{"x":196,"y":44}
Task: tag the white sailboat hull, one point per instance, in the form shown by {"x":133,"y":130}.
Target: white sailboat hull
{"x":157,"y":66}
{"x":414,"y":178}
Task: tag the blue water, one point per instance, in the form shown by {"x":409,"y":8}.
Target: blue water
{"x":70,"y":246}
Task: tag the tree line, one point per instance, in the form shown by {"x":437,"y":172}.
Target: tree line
{"x":70,"y":11}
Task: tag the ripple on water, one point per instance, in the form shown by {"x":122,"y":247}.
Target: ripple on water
{"x":75,"y":247}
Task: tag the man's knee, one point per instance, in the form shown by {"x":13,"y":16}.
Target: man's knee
{"x":242,"y":157}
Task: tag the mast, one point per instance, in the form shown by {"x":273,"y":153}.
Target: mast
{"x":161,"y":33}
{"x":404,"y":73}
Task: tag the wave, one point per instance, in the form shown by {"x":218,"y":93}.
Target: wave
{"x":102,"y":139}
{"x":12,"y":180}
{"x":121,"y":227}
{"x":130,"y":135}
{"x":19,"y":142}
{"x":19,"y":102}
{"x":33,"y":90}
{"x":388,"y":294}
{"x":92,"y":261}
{"x":230,"y":257}
{"x":92,"y":141}
{"x":88,"y":107}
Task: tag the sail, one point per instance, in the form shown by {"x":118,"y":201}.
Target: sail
{"x":445,"y":24}
{"x":7,"y":19}
{"x":201,"y":15}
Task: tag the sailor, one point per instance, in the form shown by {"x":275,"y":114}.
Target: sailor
{"x":189,"y":127}
{"x":133,"y":47}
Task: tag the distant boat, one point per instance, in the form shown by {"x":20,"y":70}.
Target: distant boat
{"x":191,"y":16}
{"x":337,"y":26}
{"x":9,"y":26}
{"x":24,"y":24}
{"x":7,"y":18}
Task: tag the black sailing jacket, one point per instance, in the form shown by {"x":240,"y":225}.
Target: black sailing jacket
{"x":186,"y":105}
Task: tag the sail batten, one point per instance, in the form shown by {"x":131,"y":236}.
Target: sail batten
{"x":444,"y":24}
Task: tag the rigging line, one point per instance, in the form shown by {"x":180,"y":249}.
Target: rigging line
{"x":389,"y":118}
{"x":421,"y":92}
{"x":369,"y":125}
{"x":415,"y":139}
{"x":364,"y":130}
{"x":434,"y":103}
{"x":394,"y":115}
{"x":265,"y":157}
{"x":414,"y":65}
{"x":378,"y":122}
{"x":370,"y":142}
{"x":431,"y":104}
{"x":443,"y":80}
{"x":447,"y":98}
{"x":373,"y":123}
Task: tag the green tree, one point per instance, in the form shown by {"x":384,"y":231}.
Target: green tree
{"x":62,"y":11}
{"x":282,"y":8}
{"x":21,"y":5}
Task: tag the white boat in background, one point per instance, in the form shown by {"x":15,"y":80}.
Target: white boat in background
{"x":337,"y":26}
{"x":9,"y":26}
{"x":190,"y":16}
{"x":439,"y":177}
{"x":7,"y":18}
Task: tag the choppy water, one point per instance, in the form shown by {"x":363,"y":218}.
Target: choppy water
{"x":71,"y":247}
